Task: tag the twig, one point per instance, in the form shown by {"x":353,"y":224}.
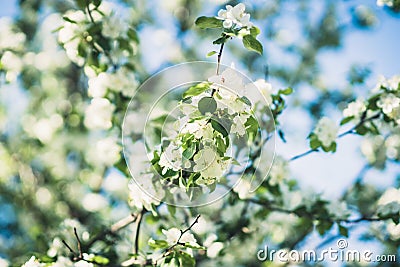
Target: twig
{"x":303,"y":154}
{"x":219,"y":57}
{"x":168,"y":250}
{"x":350,"y":131}
{"x":139,"y":221}
{"x":69,"y":248}
{"x":79,"y":243}
{"x":124,"y":222}
{"x":218,"y":64}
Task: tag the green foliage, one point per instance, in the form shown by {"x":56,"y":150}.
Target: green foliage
{"x":252,"y":44}
{"x":208,"y":22}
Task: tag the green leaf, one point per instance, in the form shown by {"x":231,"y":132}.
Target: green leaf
{"x":254,"y":31}
{"x":211,"y":53}
{"x":207,"y":104}
{"x":343,"y":231}
{"x":158,"y":244}
{"x":251,"y":127}
{"x":245,"y":100}
{"x":314,"y":142}
{"x":171,"y":210}
{"x":220,"y":40}
{"x":361,"y":130}
{"x":189,"y":152}
{"x":323,"y":227}
{"x":188,"y":245}
{"x":219,"y":128}
{"x":286,"y":91}
{"x":132,"y":34}
{"x":100,"y":260}
{"x":186,"y":259}
{"x":196,"y":89}
{"x":346,"y":120}
{"x":252,"y":44}
{"x":69,"y":20}
{"x":208,"y":22}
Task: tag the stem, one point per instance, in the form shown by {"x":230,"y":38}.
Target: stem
{"x":221,"y":49}
{"x":219,"y":57}
{"x":350,"y":131}
{"x":168,"y":250}
{"x":303,"y":154}
{"x":79,"y":244}
{"x":139,"y":222}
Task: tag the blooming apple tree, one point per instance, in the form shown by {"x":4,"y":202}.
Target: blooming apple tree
{"x":195,"y":179}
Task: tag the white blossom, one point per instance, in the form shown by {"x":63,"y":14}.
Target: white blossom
{"x":98,"y":85}
{"x":388,"y":3}
{"x":235,"y":16}
{"x":279,"y":171}
{"x":326,"y":131}
{"x":33,"y":262}
{"x":98,"y":114}
{"x":238,"y":125}
{"x":173,"y":235}
{"x":3,"y":263}
{"x":171,"y":158}
{"x":14,"y":40}
{"x":390,"y":195}
{"x":105,"y":151}
{"x":243,"y":188}
{"x":229,"y":80}
{"x":355,"y":109}
{"x":388,"y":103}
{"x":210,"y":165}
{"x":257,"y":89}
{"x":213,"y":247}
{"x":94,"y":202}
{"x":113,"y":26}
{"x":143,"y":194}
{"x":338,"y":209}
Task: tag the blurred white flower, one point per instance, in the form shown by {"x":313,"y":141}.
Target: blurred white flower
{"x":326,"y":131}
{"x":174,"y":234}
{"x":144,"y":195}
{"x":105,"y":152}
{"x":257,"y":89}
{"x":238,"y":125}
{"x":98,"y":85}
{"x":55,"y":246}
{"x":374,"y":149}
{"x":243,"y":188}
{"x":12,"y":64}
{"x":113,"y":26}
{"x":83,"y":263}
{"x":338,"y":210}
{"x":355,"y":109}
{"x":124,"y":81}
{"x":3,"y":263}
{"x":213,"y":248}
{"x":14,"y":40}
{"x":235,"y":16}
{"x":98,"y":114}
{"x":230,"y":81}
{"x":33,"y":262}
{"x":392,"y":145}
{"x":279,"y":171}
{"x":393,"y":230}
{"x":390,"y":195}
{"x":94,"y":202}
{"x":388,"y":3}
{"x":388,"y":103}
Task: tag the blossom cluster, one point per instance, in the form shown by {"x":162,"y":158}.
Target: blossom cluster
{"x":196,"y":151}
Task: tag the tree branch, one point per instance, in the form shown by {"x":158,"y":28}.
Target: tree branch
{"x":139,"y":221}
